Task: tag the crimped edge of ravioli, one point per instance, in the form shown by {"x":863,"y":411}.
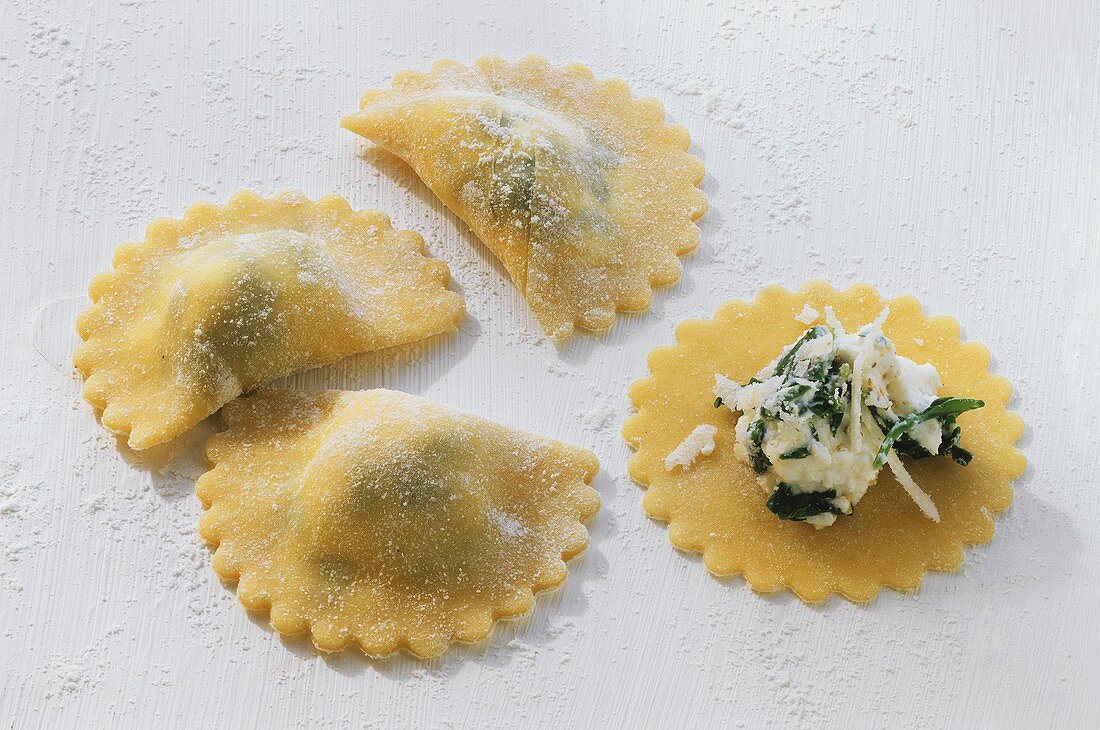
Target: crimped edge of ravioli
{"x":474,"y":626}
{"x":166,"y":232}
{"x":649,"y":108}
{"x":662,"y":502}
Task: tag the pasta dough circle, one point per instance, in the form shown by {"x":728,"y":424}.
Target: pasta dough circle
{"x":227,"y":298}
{"x":584,"y":194}
{"x":717,"y":507}
{"x":384,"y":520}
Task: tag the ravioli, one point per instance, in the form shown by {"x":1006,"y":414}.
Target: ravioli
{"x":383,"y":520}
{"x":585,"y":194}
{"x":227,"y":298}
{"x":717,"y":508}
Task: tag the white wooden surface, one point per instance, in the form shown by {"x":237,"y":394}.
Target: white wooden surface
{"x":949,"y":149}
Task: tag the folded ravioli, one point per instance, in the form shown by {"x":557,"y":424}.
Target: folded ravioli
{"x":227,"y":298}
{"x":381,"y":519}
{"x":584,"y":193}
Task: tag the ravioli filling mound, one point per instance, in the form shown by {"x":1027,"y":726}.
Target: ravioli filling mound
{"x":233,"y":303}
{"x":537,"y":172}
{"x":817,"y":441}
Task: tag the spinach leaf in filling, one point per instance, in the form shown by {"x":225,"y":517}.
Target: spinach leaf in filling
{"x":944,"y":410}
{"x":787,"y":505}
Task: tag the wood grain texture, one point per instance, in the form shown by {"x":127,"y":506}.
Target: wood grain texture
{"x":947,"y":150}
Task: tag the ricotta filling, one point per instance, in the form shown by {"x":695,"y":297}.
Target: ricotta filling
{"x":820,"y":421}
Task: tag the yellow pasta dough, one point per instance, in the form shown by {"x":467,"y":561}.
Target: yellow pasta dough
{"x":227,"y":298}
{"x":717,"y":507}
{"x":583,"y":192}
{"x":381,"y":519}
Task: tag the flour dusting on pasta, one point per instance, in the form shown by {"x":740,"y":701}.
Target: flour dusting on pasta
{"x":384,"y":520}
{"x":585,"y":194}
{"x":230,"y":297}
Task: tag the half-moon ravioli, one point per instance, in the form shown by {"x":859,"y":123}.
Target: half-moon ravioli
{"x":583,"y":192}
{"x":227,"y":298}
{"x":384,"y":520}
{"x":717,"y":508}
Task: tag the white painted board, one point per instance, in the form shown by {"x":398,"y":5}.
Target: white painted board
{"x":943,"y":148}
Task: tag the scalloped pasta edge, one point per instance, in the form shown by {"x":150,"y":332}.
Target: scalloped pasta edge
{"x":584,"y":505}
{"x":640,"y":391}
{"x":675,"y":135}
{"x":167,"y":231}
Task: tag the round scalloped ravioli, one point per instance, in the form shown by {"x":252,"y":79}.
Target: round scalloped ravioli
{"x":227,"y":298}
{"x":584,"y":193}
{"x":381,"y":519}
{"x":717,"y":507}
